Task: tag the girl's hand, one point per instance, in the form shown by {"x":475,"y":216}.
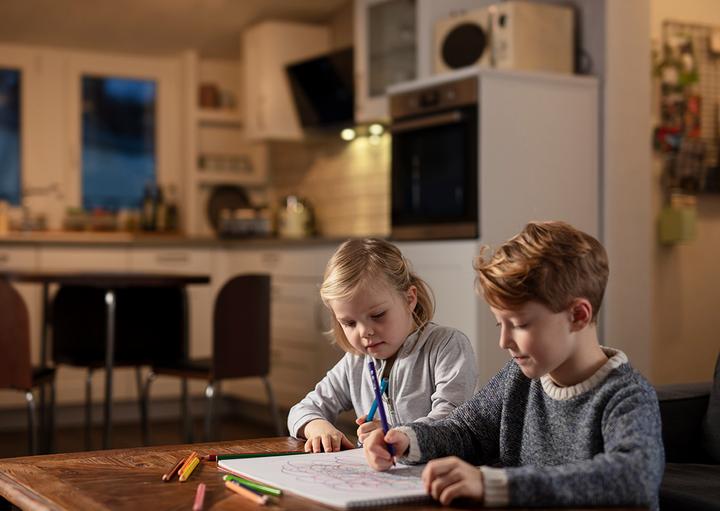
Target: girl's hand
{"x":366,"y":427}
{"x":323,"y":436}
{"x":446,"y":479}
{"x":376,"y":451}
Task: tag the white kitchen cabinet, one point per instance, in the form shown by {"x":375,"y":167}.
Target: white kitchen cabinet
{"x":393,"y":44}
{"x":301,"y":353}
{"x":267,"y":48}
{"x":201,"y":297}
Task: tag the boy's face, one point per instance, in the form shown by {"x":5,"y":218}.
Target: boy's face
{"x":538,"y":340}
{"x":377,"y":319}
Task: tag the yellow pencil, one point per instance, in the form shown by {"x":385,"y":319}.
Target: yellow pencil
{"x":245,"y":492}
{"x":185,"y":465}
{"x":186,"y":473}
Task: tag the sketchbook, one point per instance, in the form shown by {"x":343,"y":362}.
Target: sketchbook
{"x":339,"y":479}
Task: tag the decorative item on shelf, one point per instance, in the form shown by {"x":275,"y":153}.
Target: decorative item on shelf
{"x":4,"y":218}
{"x":296,"y":218}
{"x":244,"y":222}
{"x":678,"y":219}
{"x":148,"y":218}
{"x":225,"y":197}
{"x":209,"y":95}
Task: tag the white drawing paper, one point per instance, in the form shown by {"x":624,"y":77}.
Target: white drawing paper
{"x":341,"y":479}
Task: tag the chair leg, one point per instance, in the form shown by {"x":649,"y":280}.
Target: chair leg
{"x":210,"y":395}
{"x":144,"y":392}
{"x":88,"y":410}
{"x":32,"y":426}
{"x":279,"y":429}
{"x":186,"y":415}
{"x":50,"y":433}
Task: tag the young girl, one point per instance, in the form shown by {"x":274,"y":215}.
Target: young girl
{"x":382,"y":312}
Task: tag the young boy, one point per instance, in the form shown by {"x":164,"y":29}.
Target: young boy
{"x":566,"y":422}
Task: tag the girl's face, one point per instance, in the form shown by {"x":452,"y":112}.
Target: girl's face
{"x":540,"y":341}
{"x":377,"y":319}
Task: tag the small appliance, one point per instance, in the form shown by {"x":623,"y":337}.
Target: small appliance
{"x":507,"y":35}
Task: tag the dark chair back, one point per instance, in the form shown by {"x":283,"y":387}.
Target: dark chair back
{"x":149,"y":325}
{"x":15,"y":368}
{"x":241,"y":328}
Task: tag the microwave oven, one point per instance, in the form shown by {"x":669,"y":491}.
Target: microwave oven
{"x":507,"y":35}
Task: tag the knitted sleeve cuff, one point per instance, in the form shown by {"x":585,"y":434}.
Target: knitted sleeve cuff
{"x":413,"y":452}
{"x":497,"y":491}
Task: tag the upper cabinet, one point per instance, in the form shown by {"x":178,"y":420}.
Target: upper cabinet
{"x":267,"y":48}
{"x":385,"y":53}
{"x":393,"y":44}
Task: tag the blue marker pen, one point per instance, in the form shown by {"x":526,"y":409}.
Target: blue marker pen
{"x":380,"y":407}
{"x":373,"y":408}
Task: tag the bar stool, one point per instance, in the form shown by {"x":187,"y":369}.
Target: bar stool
{"x":16,"y":371}
{"x":241,"y":347}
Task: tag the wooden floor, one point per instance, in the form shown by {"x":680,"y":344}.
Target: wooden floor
{"x":14,"y":444}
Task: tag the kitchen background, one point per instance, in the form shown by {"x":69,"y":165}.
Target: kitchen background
{"x":661,"y":300}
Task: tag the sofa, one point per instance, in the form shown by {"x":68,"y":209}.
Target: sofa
{"x":691,"y":434}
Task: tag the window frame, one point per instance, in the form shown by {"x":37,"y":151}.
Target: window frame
{"x":20,"y":59}
{"x":168,"y":130}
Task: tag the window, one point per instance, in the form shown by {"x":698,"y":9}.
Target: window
{"x":118,"y":141}
{"x":10,"y":135}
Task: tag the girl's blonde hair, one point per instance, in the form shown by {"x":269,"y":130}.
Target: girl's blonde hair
{"x":360,"y":262}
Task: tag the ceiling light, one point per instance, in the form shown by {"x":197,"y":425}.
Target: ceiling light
{"x":376,"y":129}
{"x":347,"y":134}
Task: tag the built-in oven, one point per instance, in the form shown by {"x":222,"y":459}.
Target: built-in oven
{"x":435,"y":161}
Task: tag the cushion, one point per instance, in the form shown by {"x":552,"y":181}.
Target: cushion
{"x":688,"y":486}
{"x":711,"y":424}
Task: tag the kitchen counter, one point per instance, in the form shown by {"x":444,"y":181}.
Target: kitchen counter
{"x":141,"y":239}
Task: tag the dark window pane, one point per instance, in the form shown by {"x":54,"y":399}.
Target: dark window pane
{"x":118,"y":130}
{"x":10,"y":135}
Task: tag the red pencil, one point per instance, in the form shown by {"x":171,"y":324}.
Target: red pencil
{"x":199,"y":497}
{"x":169,"y":475}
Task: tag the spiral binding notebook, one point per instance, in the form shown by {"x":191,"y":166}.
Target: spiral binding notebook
{"x":340,"y":479}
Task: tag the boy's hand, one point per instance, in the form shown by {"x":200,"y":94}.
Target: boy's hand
{"x":376,"y":451}
{"x":366,"y":427}
{"x":446,"y":479}
{"x":323,"y":436}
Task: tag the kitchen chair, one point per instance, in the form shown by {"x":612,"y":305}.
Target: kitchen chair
{"x":16,"y":371}
{"x":241,"y":347}
{"x":149,"y":327}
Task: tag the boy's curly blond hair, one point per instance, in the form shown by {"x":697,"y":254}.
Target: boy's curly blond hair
{"x":549,"y":262}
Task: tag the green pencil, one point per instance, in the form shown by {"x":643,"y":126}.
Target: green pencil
{"x":218,"y":457}
{"x":253,"y":485}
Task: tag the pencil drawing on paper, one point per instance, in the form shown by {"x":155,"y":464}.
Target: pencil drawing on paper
{"x":343,"y":474}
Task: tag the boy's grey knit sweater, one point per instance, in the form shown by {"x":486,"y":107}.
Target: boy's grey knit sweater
{"x":597,"y":443}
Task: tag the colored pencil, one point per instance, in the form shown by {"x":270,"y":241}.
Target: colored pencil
{"x":381,"y":407}
{"x":186,"y":473}
{"x":253,"y":485}
{"x":169,"y":475}
{"x":246,"y":492}
{"x":188,"y":460}
{"x":240,"y":455}
{"x":373,"y":408}
{"x":199,"y":497}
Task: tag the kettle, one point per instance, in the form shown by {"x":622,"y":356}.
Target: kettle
{"x":295,"y":218}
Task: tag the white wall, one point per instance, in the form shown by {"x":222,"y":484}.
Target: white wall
{"x":687,"y":333}
{"x":628,"y":222}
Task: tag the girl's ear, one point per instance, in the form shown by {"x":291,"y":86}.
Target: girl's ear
{"x":581,"y":314}
{"x":411,"y":297}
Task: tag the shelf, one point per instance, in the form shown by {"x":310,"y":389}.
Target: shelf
{"x":225,"y":178}
{"x":219,"y":117}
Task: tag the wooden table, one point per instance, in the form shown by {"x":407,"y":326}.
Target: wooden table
{"x":110,"y":282}
{"x":131,"y":479}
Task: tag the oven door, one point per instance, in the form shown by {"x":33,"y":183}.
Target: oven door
{"x":434,"y":176}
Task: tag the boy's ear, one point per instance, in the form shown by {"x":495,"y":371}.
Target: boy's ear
{"x":581,"y":314}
